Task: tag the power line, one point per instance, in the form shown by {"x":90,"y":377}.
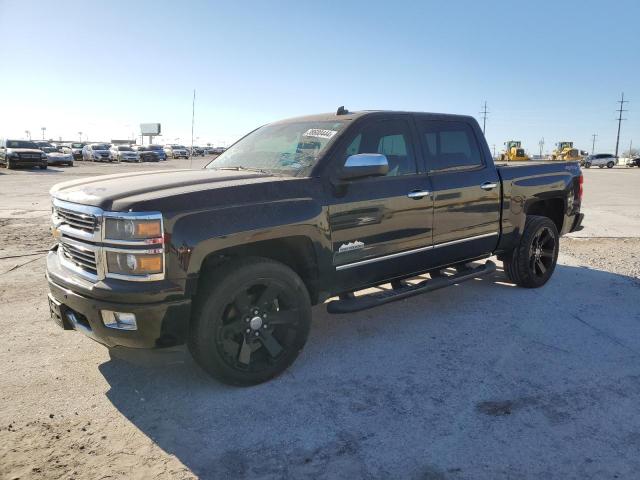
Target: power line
{"x":622,"y":101}
{"x":484,"y":113}
{"x":593,"y":143}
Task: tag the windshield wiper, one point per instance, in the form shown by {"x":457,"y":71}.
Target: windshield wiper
{"x":247,"y":169}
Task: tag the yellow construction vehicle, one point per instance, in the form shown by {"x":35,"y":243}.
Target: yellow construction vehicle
{"x":565,"y":151}
{"x":513,"y":152}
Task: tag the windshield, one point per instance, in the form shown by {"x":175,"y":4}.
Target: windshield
{"x":287,"y":148}
{"x":77,"y":145}
{"x":155,"y":147}
{"x":48,"y":149}
{"x":178,"y":147}
{"x":125,"y":149}
{"x":21,"y":144}
{"x":100,"y":147}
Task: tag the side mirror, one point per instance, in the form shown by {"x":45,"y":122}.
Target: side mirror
{"x":364,"y":165}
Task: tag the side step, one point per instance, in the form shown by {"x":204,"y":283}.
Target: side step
{"x":355,"y":304}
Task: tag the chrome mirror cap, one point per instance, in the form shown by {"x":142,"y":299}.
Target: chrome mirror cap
{"x":365,"y":165}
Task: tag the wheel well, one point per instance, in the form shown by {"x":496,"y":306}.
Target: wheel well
{"x":296,"y":252}
{"x":552,"y":208}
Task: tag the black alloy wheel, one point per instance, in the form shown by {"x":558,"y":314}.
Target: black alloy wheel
{"x":533,"y":261}
{"x":251,"y":321}
{"x":541,"y":252}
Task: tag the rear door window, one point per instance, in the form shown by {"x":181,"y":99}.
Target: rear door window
{"x":449,"y":145}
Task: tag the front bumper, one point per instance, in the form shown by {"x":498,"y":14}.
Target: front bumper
{"x":159,"y":324}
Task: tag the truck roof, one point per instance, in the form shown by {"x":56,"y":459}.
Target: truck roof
{"x":349,"y":116}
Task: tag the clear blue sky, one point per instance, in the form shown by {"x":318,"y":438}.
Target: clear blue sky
{"x":551,"y":69}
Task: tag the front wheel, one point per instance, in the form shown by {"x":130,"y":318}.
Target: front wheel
{"x":610,"y":165}
{"x":533,"y":261}
{"x":250,"y":321}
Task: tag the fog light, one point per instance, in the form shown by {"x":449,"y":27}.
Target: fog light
{"x":119,"y":320}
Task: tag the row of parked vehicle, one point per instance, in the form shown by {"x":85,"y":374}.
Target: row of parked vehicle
{"x":27,"y":153}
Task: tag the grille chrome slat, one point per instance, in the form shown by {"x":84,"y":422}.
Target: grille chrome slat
{"x":84,"y":259}
{"x":81,"y":221}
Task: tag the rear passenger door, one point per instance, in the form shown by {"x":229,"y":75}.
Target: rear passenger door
{"x":466,"y":190}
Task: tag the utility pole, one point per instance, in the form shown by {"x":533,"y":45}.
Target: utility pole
{"x":193,"y":116}
{"x":484,"y":113}
{"x":622,"y":101}
{"x":593,"y":143}
{"x":541,"y":145}
{"x":80,"y":134}
{"x":28,"y":134}
{"x":494,"y":150}
{"x":43,"y":129}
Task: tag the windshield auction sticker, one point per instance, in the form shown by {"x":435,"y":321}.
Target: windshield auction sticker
{"x":319,"y":133}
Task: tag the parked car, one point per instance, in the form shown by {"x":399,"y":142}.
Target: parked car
{"x":231,"y":258}
{"x":600,"y":160}
{"x":219,"y":150}
{"x":96,"y":152}
{"x":21,"y":153}
{"x":145,"y":154}
{"x":123,"y":153}
{"x":74,"y":148}
{"x":54,"y":155}
{"x":634,"y":162}
{"x":176,"y":151}
{"x":208,"y":150}
{"x":196,"y":151}
{"x":158,"y":151}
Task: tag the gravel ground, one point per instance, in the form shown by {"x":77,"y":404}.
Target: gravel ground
{"x":481,"y":380}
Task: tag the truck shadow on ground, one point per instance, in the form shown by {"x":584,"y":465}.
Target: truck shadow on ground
{"x":383,"y":393}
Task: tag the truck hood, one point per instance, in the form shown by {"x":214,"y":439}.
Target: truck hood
{"x":119,"y":191}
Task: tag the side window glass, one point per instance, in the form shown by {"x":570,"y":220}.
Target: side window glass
{"x":449,"y":144}
{"x":390,"y":138}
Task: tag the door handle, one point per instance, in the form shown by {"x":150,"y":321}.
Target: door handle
{"x":418,"y":194}
{"x":488,"y":185}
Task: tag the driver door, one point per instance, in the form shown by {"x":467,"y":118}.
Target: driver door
{"x":381,"y":226}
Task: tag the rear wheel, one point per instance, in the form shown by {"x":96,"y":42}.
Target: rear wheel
{"x":533,"y":261}
{"x":587,"y":165}
{"x":250,"y":322}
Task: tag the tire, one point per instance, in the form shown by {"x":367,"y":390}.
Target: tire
{"x":231,"y":336}
{"x":587,"y":165}
{"x":610,"y":165}
{"x":43,"y":167}
{"x":527,"y":265}
{"x":9,"y":164}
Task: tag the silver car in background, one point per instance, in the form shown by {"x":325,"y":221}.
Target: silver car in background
{"x":54,"y":155}
{"x":124,"y":153}
{"x":96,"y":152}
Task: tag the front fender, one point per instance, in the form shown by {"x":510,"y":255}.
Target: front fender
{"x":199,"y":234}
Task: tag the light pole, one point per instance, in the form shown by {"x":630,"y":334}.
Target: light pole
{"x":43,"y":130}
{"x":80,"y":135}
{"x":28,"y":134}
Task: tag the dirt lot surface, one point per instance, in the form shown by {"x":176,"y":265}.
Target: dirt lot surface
{"x":478,"y":381}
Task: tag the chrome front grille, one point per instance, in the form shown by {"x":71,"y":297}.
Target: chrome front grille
{"x":82,"y":258}
{"x":82,"y":221}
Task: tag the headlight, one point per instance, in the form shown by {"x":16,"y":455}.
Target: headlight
{"x":129,"y":263}
{"x":133,"y":229}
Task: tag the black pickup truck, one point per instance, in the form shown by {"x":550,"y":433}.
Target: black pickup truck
{"x":230,"y":258}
